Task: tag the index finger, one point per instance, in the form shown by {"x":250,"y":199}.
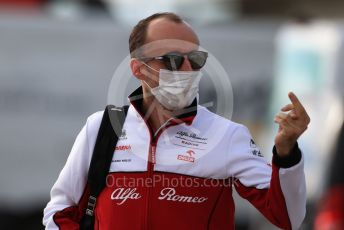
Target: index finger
{"x":295,"y":101}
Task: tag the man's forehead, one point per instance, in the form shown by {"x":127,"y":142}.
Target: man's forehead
{"x":161,"y":47}
{"x":164,"y":35}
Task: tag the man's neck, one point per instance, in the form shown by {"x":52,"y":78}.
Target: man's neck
{"x":154,"y":113}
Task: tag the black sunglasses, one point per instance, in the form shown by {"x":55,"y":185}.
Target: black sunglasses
{"x":174,"y":60}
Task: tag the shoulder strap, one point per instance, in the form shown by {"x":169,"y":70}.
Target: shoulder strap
{"x":109,"y":131}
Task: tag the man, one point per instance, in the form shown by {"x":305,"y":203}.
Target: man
{"x":193,"y":156}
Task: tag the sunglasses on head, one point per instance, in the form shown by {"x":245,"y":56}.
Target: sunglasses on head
{"x":174,"y":60}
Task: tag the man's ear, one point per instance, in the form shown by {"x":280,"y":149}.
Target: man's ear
{"x":135,"y":66}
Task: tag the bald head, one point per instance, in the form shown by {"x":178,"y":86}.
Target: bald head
{"x":163,"y":28}
{"x":160,"y":26}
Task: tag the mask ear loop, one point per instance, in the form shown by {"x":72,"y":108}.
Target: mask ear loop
{"x":149,"y":75}
{"x":145,"y":64}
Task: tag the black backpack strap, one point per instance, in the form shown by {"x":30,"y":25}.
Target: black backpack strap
{"x":109,"y":131}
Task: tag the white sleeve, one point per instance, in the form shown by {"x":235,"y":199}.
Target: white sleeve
{"x":293,"y":185}
{"x":278,"y":191}
{"x":71,"y":182}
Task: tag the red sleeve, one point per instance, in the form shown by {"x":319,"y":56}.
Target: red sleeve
{"x":270,"y":202}
{"x":70,"y":217}
{"x":277,"y":191}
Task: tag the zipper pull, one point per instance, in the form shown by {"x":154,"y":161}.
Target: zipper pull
{"x":153,"y":154}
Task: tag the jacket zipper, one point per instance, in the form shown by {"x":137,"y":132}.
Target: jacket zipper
{"x":150,"y":166}
{"x":151,"y":162}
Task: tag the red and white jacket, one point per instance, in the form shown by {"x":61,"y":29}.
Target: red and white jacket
{"x":180,"y":177}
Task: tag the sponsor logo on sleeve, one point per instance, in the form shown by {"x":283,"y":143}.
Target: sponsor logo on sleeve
{"x":255,"y":149}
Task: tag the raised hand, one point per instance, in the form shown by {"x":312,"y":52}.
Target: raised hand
{"x":293,"y":121}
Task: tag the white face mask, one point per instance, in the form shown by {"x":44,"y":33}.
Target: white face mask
{"x":177,"y":89}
